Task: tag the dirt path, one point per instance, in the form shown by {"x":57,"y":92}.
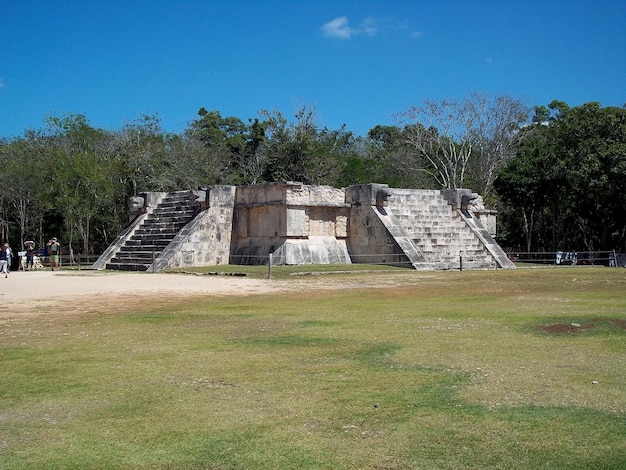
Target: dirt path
{"x":40,"y":292}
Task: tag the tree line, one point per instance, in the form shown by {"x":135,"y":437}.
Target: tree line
{"x":566,"y":187}
{"x":556,"y":177}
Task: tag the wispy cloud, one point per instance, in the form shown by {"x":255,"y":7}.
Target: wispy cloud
{"x":369,"y":26}
{"x":340,"y":28}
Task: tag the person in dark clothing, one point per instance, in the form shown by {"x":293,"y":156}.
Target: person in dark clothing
{"x":30,"y":255}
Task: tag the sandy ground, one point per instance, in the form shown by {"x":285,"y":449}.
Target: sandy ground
{"x":41,"y":292}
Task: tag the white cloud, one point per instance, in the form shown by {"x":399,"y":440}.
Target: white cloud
{"x":337,"y":28}
{"x":369,"y":26}
{"x":340,"y":28}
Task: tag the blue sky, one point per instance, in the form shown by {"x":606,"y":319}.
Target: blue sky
{"x":357,"y":62}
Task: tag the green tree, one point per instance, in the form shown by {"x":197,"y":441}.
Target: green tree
{"x":250,"y":163}
{"x":591,"y":141}
{"x":391,"y":158}
{"x":288,"y":146}
{"x":79,"y":166}
{"x":220,"y":145}
{"x":143,"y":149}
{"x":23,"y":180}
{"x":570,"y":173}
{"x":529,"y":186}
{"x":303,"y":150}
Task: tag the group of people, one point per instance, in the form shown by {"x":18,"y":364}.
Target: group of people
{"x":6,"y":256}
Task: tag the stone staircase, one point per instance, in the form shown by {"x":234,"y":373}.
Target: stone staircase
{"x":438,"y":231}
{"x":173,"y":212}
{"x":423,"y":229}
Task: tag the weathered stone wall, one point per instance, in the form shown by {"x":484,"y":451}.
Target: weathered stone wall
{"x":488,"y":220}
{"x":206,"y":240}
{"x":299,"y":224}
{"x":297,"y":194}
{"x":369,"y":239}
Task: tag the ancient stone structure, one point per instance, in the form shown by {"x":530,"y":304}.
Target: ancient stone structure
{"x":302,"y":224}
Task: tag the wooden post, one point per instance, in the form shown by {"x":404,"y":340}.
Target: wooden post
{"x":269,"y":265}
{"x":460,"y":262}
{"x":153,"y":261}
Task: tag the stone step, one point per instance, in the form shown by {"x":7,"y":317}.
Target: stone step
{"x":142,"y":248}
{"x":415,"y":211}
{"x":438,"y":231}
{"x":179,"y":215}
{"x":163,"y":230}
{"x":133,"y":258}
{"x":156,"y":230}
{"x":142,"y":243}
{"x":418,"y":209}
{"x":147,"y":261}
{"x":446,"y":240}
{"x":174,"y":210}
{"x":178,"y":199}
{"x":177,"y":225}
{"x":172,"y":217}
{"x":161,"y":226}
{"x":126,"y":267}
{"x":158,"y":227}
{"x":455,"y":253}
{"x":142,"y":254}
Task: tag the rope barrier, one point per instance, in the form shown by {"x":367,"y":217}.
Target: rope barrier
{"x":604,"y":258}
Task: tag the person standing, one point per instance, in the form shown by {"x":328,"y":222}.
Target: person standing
{"x":30,"y":255}
{"x":54,"y":249}
{"x":4,"y":260}
{"x":9,"y":256}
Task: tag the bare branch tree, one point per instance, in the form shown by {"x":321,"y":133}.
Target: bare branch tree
{"x":438,"y":132}
{"x":453,"y":136}
{"x":493,"y":123}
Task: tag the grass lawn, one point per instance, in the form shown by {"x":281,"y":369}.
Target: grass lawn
{"x":446,"y":370}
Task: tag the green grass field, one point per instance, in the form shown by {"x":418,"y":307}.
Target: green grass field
{"x":447,"y":370}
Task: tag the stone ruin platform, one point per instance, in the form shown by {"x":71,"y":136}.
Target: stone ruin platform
{"x":302,"y":224}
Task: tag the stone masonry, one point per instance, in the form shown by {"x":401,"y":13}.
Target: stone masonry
{"x":303,"y":224}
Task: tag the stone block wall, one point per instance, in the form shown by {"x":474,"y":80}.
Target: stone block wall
{"x":302,"y":224}
{"x":206,"y":240}
{"x":299,"y":224}
{"x":375,"y":236}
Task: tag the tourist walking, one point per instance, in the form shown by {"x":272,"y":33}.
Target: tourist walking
{"x":4,"y":260}
{"x":54,"y":249}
